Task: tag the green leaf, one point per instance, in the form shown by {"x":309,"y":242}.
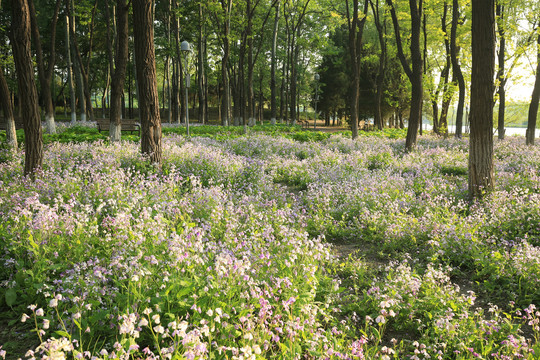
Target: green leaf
{"x":62,"y":333}
{"x":11,"y":297}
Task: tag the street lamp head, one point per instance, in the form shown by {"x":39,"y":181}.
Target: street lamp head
{"x":185,"y":47}
{"x":317,"y":77}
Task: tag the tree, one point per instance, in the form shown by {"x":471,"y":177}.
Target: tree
{"x":22,"y":54}
{"x":381,"y":32}
{"x":119,"y":74}
{"x":415,"y":70}
{"x":143,"y":31}
{"x":273,"y":83}
{"x":456,"y":68}
{"x":355,"y":23}
{"x":45,"y":73}
{"x":75,"y":64}
{"x":70,"y":75}
{"x":500,"y":12}
{"x":7,"y":106}
{"x":535,"y":98}
{"x":482,"y":89}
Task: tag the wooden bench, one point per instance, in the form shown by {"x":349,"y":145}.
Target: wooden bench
{"x":128,"y":125}
{"x":18,"y":124}
{"x":304,"y":124}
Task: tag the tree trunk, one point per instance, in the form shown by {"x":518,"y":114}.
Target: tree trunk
{"x":500,"y":73}
{"x":448,"y":91}
{"x":119,"y":75}
{"x":273,"y":103}
{"x":456,"y":68}
{"x":415,"y":73}
{"x":284,"y":98}
{"x":250,"y":91}
{"x":201,"y":67}
{"x":22,"y":54}
{"x":7,"y":106}
{"x":110,"y":56}
{"x":381,"y":32}
{"x":143,"y":31}
{"x":225,"y":103}
{"x":482,"y":87}
{"x":45,"y":74}
{"x":176,"y":69}
{"x":72,"y":95}
{"x":535,"y":98}
{"x":77,"y":66}
{"x":356,"y":27}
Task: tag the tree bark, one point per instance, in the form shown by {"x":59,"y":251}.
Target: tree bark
{"x":225,"y":103}
{"x":110,"y":55}
{"x":456,"y":69}
{"x":535,"y":98}
{"x":7,"y":106}
{"x":72,"y":96}
{"x":273,"y":84}
{"x":119,"y":75}
{"x":45,"y":74}
{"x":500,"y":73}
{"x":201,"y":67}
{"x":77,"y":66}
{"x":415,"y":73}
{"x":381,"y":32}
{"x":250,"y":92}
{"x":482,"y":88}
{"x":356,"y":29}
{"x":22,"y":54}
{"x":143,"y":31}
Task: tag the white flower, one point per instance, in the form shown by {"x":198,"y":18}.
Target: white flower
{"x":143,"y":322}
{"x":39,"y":312}
{"x":380,"y":319}
{"x":156,"y":319}
{"x":257,"y":349}
{"x":53,"y":303}
{"x":159,"y":329}
{"x":45,"y":323}
{"x":24,"y":317}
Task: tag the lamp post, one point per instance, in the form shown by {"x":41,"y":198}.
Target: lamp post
{"x":185,"y":47}
{"x":317,"y":78}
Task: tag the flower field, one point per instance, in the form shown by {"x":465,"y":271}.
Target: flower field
{"x":263,"y":247}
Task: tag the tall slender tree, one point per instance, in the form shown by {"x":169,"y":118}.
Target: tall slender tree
{"x":535,"y":98}
{"x":501,"y":29}
{"x":119,"y":74}
{"x":482,"y":89}
{"x":22,"y":54}
{"x":72,"y":96}
{"x":415,"y":70}
{"x":273,"y":65}
{"x":45,"y":72}
{"x":143,"y":31}
{"x":355,"y":24}
{"x":7,"y":107}
{"x":380,"y":24}
{"x":456,"y":68}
